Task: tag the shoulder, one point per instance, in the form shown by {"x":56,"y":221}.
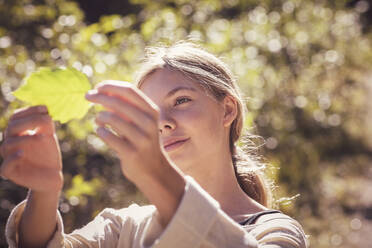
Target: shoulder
{"x":278,"y":219}
{"x":278,"y":229}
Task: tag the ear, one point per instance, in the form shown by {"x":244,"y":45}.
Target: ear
{"x":230,"y":107}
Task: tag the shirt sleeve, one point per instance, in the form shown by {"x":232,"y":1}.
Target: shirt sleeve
{"x":103,"y":231}
{"x":200,"y":222}
{"x":11,"y":229}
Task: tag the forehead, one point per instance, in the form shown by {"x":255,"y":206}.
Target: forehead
{"x":159,"y":83}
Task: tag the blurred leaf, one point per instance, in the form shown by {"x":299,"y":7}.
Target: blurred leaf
{"x":80,"y":187}
{"x":110,"y":23}
{"x":61,"y":90}
{"x":149,"y":27}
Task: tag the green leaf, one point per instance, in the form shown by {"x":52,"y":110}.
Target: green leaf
{"x":61,"y":90}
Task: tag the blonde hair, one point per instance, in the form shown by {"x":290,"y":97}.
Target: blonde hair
{"x":214,"y":76}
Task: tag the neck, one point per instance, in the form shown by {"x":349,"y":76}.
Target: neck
{"x":221,"y":183}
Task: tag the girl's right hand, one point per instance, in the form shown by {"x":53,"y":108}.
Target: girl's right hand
{"x":30,"y":150}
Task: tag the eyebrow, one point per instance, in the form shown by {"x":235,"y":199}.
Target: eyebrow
{"x":172,"y":92}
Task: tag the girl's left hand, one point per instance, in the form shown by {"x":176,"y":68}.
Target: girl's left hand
{"x":133,"y":117}
{"x":134,"y":135}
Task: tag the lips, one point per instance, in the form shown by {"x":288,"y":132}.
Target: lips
{"x":173,"y":141}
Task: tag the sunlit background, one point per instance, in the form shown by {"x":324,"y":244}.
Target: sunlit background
{"x":304,"y":65}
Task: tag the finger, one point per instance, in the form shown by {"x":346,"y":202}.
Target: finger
{"x":41,"y":122}
{"x":120,"y":126}
{"x":7,"y":165}
{"x":128,"y":112}
{"x":14,"y":143}
{"x":28,"y":111}
{"x":111,"y":103}
{"x":119,"y":145}
{"x":129,"y":93}
{"x":20,"y":113}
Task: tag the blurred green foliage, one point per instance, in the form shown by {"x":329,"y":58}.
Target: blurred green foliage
{"x":304,"y":66}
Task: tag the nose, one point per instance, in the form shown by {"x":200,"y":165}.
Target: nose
{"x":166,"y":123}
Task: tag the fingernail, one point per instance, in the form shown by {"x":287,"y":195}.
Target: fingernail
{"x":92,"y":92}
{"x":101,"y":132}
{"x":42,"y":109}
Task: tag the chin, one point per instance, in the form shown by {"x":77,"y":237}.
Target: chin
{"x":181,"y":163}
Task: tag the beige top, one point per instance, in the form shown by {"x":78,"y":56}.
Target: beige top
{"x":198,"y":222}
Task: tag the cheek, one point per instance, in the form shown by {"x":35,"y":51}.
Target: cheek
{"x":190,"y":120}
{"x":201,"y":124}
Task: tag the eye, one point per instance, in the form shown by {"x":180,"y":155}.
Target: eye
{"x":181,"y":100}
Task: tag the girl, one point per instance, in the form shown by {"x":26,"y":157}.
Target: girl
{"x":174,"y":132}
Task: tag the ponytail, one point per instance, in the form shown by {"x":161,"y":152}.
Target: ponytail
{"x":251,"y":177}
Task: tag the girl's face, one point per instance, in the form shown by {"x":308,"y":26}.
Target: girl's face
{"x":187,"y":113}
